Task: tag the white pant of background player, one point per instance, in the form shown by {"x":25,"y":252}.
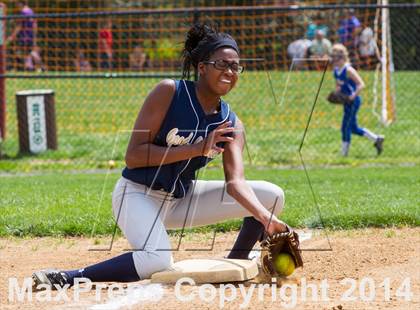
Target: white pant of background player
{"x":143,"y":215}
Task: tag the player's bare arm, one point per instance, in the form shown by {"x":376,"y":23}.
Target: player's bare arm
{"x":141,"y":151}
{"x":337,"y":87}
{"x":353,"y":75}
{"x":238,"y":188}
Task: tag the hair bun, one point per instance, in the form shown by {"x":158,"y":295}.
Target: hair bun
{"x":196,"y":34}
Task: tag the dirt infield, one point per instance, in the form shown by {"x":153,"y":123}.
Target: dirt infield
{"x":364,"y":269}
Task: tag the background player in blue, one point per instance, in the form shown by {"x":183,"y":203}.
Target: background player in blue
{"x":349,"y":82}
{"x":182,"y":125}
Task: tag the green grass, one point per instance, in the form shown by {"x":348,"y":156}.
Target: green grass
{"x":54,"y":194}
{"x":348,"y":197}
{"x":94,"y":117}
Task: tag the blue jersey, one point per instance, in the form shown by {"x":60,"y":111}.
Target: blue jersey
{"x":347,"y":85}
{"x":184,"y":123}
{"x":26,"y":34}
{"x":347,"y":28}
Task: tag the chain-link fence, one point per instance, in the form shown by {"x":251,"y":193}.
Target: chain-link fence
{"x":101,"y":65}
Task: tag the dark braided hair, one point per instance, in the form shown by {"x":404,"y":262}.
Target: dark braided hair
{"x":196,"y":46}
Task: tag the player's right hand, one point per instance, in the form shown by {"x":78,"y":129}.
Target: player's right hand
{"x":208,"y":146}
{"x":274,"y":225}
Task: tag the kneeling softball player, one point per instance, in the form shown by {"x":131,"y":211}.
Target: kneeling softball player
{"x":180,"y":128}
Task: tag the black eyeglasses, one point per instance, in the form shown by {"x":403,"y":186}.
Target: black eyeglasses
{"x":223,"y":65}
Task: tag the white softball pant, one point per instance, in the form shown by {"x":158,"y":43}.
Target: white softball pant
{"x":143,"y":215}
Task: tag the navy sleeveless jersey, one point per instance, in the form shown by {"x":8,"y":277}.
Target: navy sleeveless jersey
{"x":184,"y":123}
{"x":348,"y":86}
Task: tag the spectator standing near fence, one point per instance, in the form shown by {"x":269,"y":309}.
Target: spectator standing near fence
{"x":348,"y":33}
{"x":368,"y":49}
{"x":81,"y":63}
{"x":105,"y":45}
{"x":298,"y":51}
{"x":320,"y":49}
{"x":137,"y":58}
{"x":24,"y":33}
{"x":310,"y":30}
{"x":321,"y":46}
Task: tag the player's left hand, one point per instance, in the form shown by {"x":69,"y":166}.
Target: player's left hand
{"x":209,"y":145}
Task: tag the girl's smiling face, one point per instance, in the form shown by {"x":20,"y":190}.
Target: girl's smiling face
{"x":220,"y":81}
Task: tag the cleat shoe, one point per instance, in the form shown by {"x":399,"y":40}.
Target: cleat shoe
{"x":50,"y":277}
{"x":379,"y":144}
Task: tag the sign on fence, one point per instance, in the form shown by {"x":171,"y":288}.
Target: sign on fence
{"x":36,"y":121}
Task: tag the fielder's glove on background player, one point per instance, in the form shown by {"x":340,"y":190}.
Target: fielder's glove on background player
{"x":284,"y":242}
{"x":338,"y":98}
